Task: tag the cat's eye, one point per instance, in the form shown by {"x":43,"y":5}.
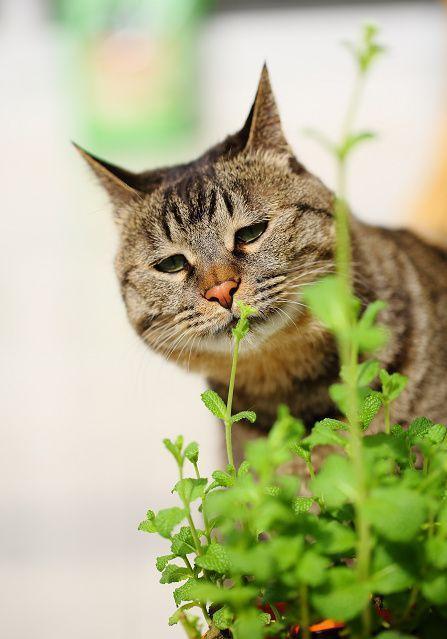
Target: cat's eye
{"x":172,"y":264}
{"x":250,"y":233}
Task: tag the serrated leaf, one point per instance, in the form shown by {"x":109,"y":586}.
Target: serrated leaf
{"x":192,"y":452}
{"x":162,"y":561}
{"x":147,"y":526}
{"x":183,"y":542}
{"x":437,"y":434}
{"x":167,"y":519}
{"x":190,"y":489}
{"x":245,"y":414}
{"x":185,"y":592}
{"x":304,"y":453}
{"x":223,"y":618}
{"x":243,"y":469}
{"x":302,"y":505}
{"x":222,"y":478}
{"x":215,"y":559}
{"x":324,"y":435}
{"x":172,"y":574}
{"x":203,"y":590}
{"x":369,"y":408}
{"x":419,"y":429}
{"x":214,"y":403}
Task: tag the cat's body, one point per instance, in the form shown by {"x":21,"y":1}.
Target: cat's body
{"x":246,"y":220}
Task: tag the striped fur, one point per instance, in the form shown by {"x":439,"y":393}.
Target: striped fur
{"x":196,"y":208}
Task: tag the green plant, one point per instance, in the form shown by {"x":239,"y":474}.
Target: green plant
{"x":363,"y":538}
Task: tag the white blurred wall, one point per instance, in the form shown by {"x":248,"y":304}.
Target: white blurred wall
{"x":83,"y":405}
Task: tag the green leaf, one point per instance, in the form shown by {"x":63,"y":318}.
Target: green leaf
{"x":167,"y":519}
{"x":163,"y":561}
{"x":436,"y":549}
{"x":236,"y":595}
{"x":183,"y":542}
{"x":369,"y":408}
{"x":323,"y":434}
{"x":243,"y":469}
{"x":367,"y":371}
{"x":286,"y":428}
{"x":192,"y":452}
{"x":304,"y":453}
{"x":392,"y":384}
{"x":396,"y":513}
{"x":222,"y":478}
{"x":434,"y":588}
{"x":343,"y":597}
{"x":334,"y":538}
{"x":242,"y":327}
{"x":223,"y":618}
{"x":174,"y":449}
{"x":352,"y":141}
{"x":302,"y":505}
{"x":173,"y":574}
{"x":190,"y":489}
{"x":257,"y":562}
{"x":214,"y":403}
{"x":249,"y":624}
{"x":246,"y":310}
{"x":419,"y":429}
{"x":393,"y":634}
{"x":245,"y":414}
{"x":186,"y":591}
{"x":392,"y":573}
{"x":215,"y":559}
{"x":335,"y":483}
{"x":312,"y":568}
{"x":330,"y":301}
{"x":147,"y":526}
{"x":437,"y":434}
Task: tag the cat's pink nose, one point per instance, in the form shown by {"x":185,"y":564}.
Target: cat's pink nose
{"x":222,"y":293}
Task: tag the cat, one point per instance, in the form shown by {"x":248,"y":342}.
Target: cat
{"x":247,"y":221}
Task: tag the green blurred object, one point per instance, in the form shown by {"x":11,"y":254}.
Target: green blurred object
{"x":134,"y":70}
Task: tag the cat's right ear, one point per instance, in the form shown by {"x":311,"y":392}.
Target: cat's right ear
{"x":120,"y":184}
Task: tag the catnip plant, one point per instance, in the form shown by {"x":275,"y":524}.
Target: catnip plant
{"x":356,"y":547}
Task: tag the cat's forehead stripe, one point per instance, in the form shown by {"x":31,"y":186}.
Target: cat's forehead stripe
{"x":228,"y":202}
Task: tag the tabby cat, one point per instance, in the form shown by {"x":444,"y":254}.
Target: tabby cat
{"x":247,"y":221}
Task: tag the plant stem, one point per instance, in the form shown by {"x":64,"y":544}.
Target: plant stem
{"x":192,"y":526}
{"x":228,"y":423}
{"x":348,"y":352}
{"x":205,"y":518}
{"x":387,"y":418}
{"x":304,"y":612}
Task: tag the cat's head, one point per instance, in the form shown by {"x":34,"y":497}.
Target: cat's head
{"x":244,"y":221}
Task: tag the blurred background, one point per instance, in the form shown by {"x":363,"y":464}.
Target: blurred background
{"x":84,"y":405}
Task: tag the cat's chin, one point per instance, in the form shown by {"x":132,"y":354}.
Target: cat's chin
{"x":220,"y":339}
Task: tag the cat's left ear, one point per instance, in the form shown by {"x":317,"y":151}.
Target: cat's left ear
{"x":262,"y":129}
{"x":121,"y":185}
